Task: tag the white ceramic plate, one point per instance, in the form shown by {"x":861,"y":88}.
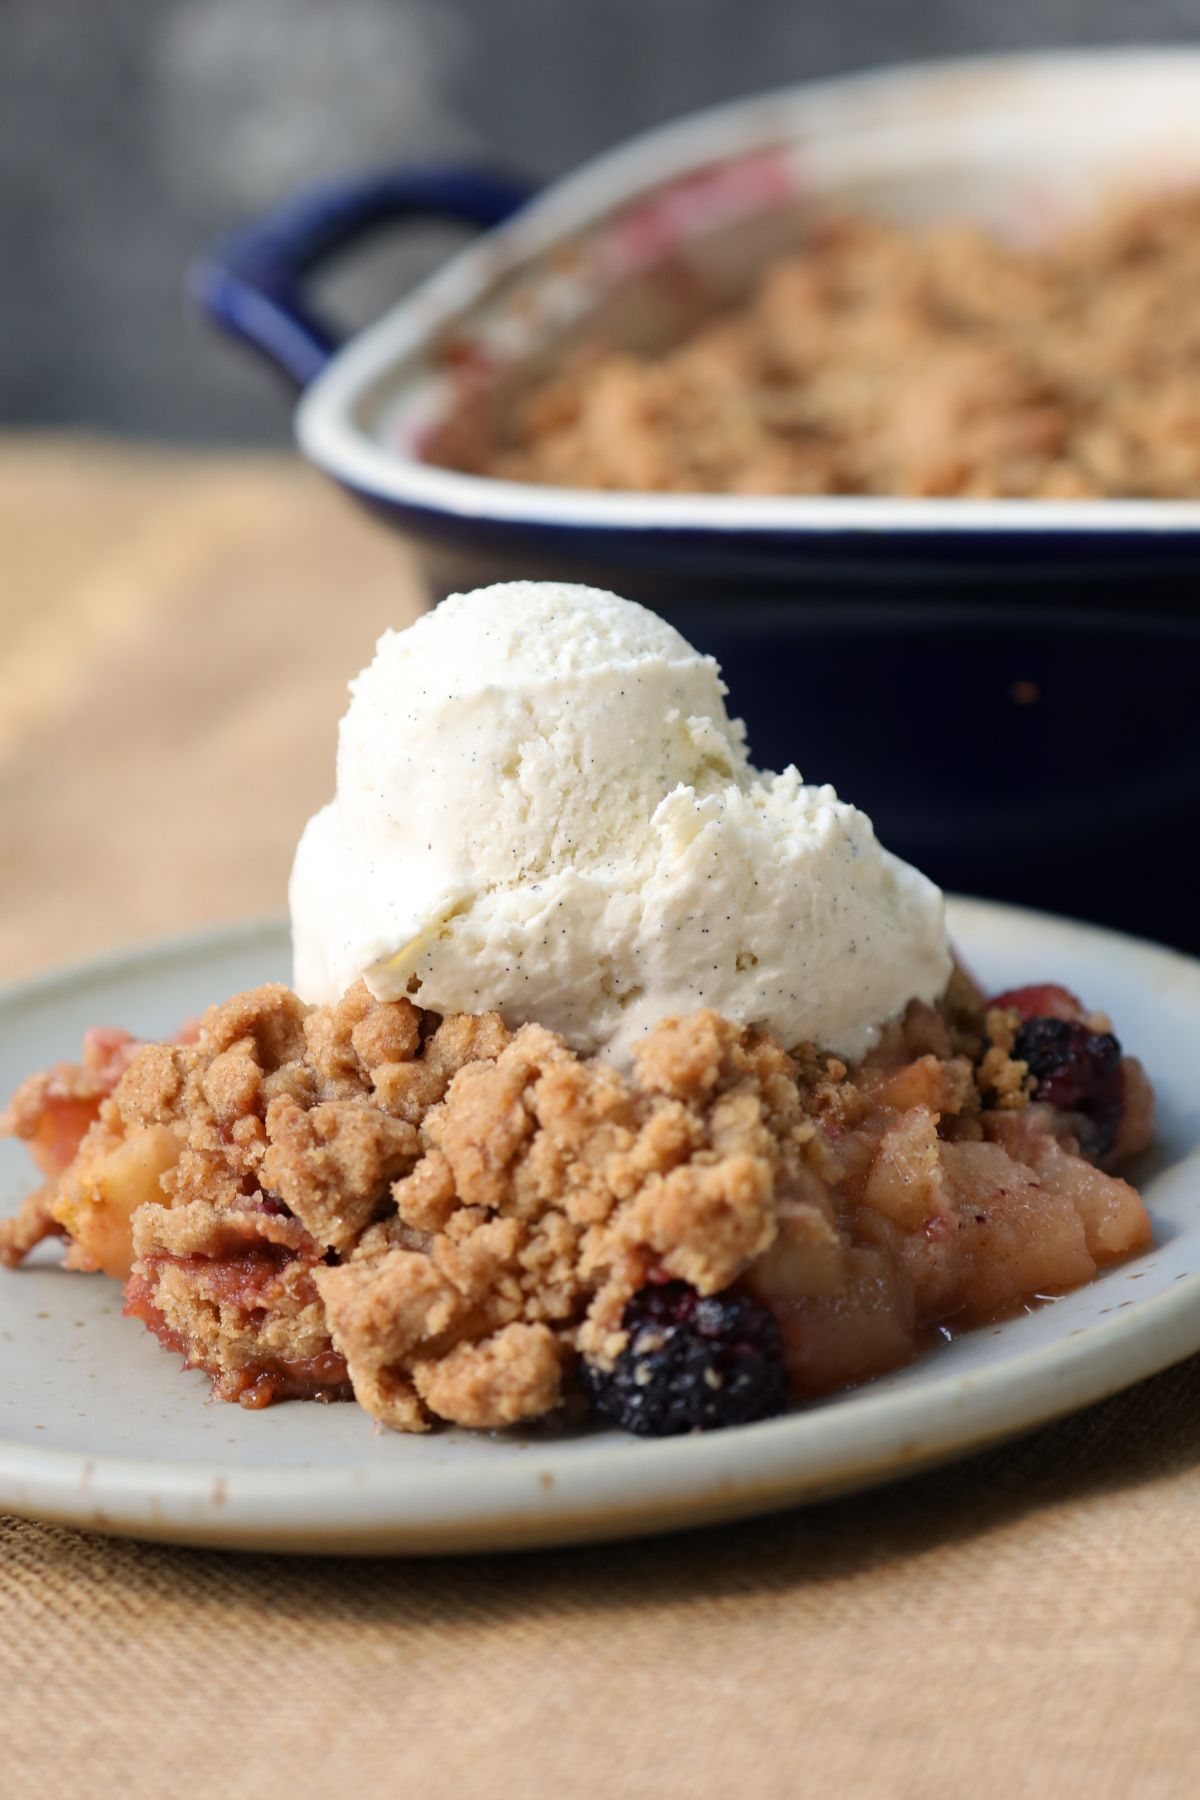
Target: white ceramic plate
{"x":99,"y":1428}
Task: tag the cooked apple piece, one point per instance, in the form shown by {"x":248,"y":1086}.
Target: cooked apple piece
{"x":1018,"y":1237}
{"x":906,"y":1182}
{"x":1114,"y":1220}
{"x":61,"y":1126}
{"x":1136,"y":1128}
{"x":98,"y":1198}
{"x":806,"y":1259}
{"x":866,"y":1327}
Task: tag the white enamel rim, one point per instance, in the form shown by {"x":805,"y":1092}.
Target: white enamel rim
{"x":435,"y":1495}
{"x":882,"y":108}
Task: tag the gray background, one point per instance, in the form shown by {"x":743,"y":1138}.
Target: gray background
{"x":132,"y":129}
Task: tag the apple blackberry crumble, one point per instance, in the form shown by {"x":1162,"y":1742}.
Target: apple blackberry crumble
{"x":446,"y":1219}
{"x":619,"y":1074}
{"x":880,"y":359}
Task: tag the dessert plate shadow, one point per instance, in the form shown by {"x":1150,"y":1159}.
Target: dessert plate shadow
{"x":98,"y":1427}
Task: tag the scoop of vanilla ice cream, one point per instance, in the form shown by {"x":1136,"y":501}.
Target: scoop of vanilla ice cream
{"x":543,"y":808}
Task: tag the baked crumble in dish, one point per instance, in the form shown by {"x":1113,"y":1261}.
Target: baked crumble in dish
{"x":448,"y":1220}
{"x":893,"y":360}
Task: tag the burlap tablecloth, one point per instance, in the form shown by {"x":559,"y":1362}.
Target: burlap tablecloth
{"x":175,"y":636}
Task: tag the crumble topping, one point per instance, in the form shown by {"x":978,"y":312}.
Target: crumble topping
{"x":884,"y":359}
{"x":442,"y":1217}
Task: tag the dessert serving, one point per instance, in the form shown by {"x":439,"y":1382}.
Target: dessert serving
{"x":887,"y":359}
{"x":621,"y":1079}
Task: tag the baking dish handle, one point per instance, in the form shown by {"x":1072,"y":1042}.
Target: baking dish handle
{"x":250,"y":283}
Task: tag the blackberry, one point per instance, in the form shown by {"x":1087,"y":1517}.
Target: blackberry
{"x":1077,"y":1071}
{"x":691,"y":1364}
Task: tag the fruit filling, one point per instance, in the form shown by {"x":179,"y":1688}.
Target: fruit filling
{"x":451,"y":1221}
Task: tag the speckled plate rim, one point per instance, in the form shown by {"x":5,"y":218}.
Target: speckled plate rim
{"x":584,"y":1489}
